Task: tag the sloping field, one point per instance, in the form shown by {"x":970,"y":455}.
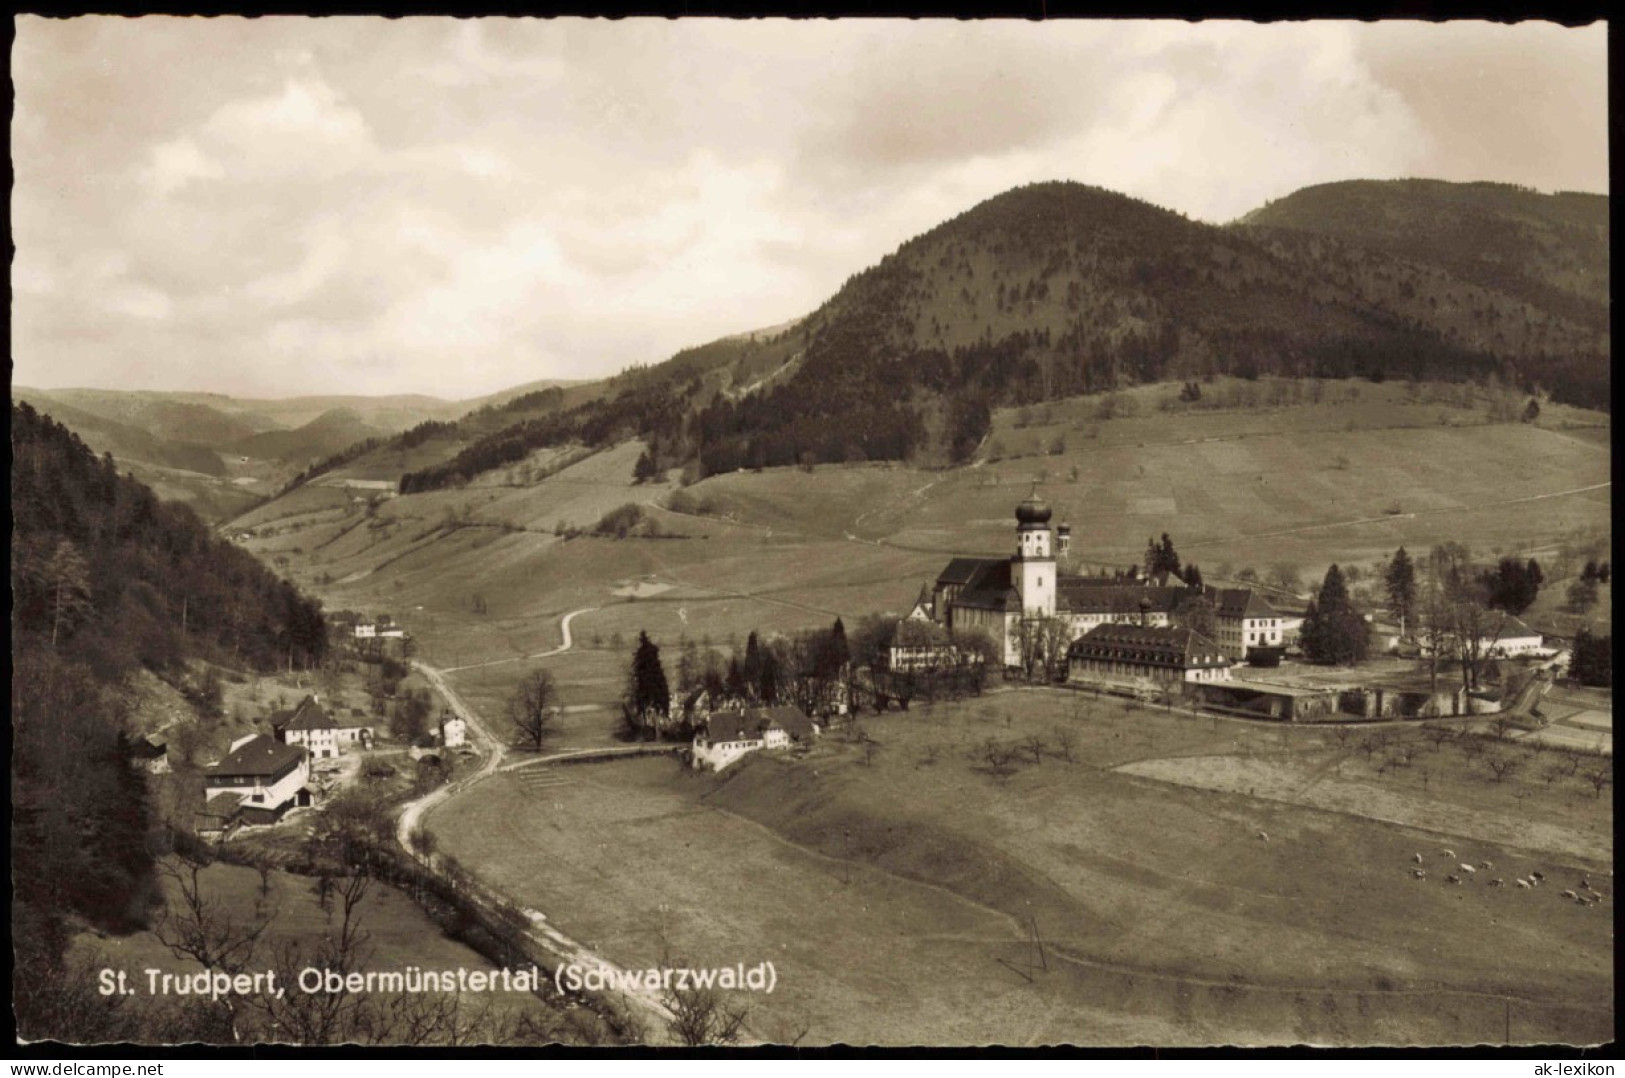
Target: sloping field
{"x":887,"y":890}
{"x":1304,"y":496}
{"x":1290,"y":780}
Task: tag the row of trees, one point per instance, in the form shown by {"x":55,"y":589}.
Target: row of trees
{"x":819,"y":671}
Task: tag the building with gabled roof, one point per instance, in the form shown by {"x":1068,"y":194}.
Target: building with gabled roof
{"x":264,"y":776}
{"x":1155,"y":653}
{"x":728,"y":735}
{"x":317,"y":729}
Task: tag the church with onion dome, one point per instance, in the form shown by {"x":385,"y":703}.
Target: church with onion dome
{"x":1026,"y":598}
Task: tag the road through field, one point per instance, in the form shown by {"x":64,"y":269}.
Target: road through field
{"x":558,"y":949}
{"x":564,"y":629}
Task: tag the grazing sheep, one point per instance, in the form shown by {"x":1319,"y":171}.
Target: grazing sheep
{"x":1537,"y":876}
{"x":1465,"y":867}
{"x":1419,"y":873}
{"x":1524,"y":884}
{"x":1497,"y":882}
{"x":1486,"y":864}
{"x":1452,"y":879}
{"x":1264,"y":836}
{"x":1571,"y":894}
{"x":1416,"y":857}
{"x":1450,"y":855}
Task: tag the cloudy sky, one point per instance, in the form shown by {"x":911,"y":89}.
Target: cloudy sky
{"x":286,"y":206}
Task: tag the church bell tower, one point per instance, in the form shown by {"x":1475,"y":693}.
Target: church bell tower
{"x":1032,"y":569}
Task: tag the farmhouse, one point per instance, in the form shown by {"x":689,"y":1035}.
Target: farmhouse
{"x":1159,"y":654}
{"x":258,"y":781}
{"x":728,"y":735}
{"x":1013,"y":599}
{"x":315,"y":728}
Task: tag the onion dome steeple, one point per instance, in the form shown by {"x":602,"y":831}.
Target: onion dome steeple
{"x":1034,"y":510}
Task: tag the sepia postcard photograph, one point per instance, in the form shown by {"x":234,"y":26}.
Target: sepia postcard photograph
{"x":862,"y":532}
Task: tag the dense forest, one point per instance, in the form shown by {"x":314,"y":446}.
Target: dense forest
{"x":106,"y":578}
{"x":1058,"y":289}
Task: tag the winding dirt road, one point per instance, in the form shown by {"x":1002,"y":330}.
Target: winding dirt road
{"x":547,"y":944}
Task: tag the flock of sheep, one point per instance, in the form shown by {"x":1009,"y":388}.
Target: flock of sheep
{"x":1585,"y":895}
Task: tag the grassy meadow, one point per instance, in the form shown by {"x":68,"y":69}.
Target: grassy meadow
{"x":897,"y":890}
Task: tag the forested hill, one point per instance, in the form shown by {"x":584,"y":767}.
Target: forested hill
{"x":105,"y":572}
{"x":1549,"y":250}
{"x":1057,"y":289}
{"x":1492,"y":267}
{"x":104,"y":578}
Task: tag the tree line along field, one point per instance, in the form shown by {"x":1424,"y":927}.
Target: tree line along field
{"x":896,"y":889}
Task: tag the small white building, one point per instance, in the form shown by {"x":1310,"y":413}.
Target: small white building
{"x":453,"y":731}
{"x":1508,"y":638}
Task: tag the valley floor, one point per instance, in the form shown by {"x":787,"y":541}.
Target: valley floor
{"x":1123,"y":896}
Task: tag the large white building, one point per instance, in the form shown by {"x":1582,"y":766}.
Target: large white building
{"x":1008,"y":598}
{"x":316,"y":729}
{"x":256,"y":782}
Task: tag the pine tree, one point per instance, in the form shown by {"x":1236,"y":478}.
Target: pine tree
{"x":751,"y":669}
{"x":1193,"y":576}
{"x":840,"y":653}
{"x":1167,"y":560}
{"x":651,"y":696}
{"x":768,"y":683}
{"x":734,"y":683}
{"x":1333,"y":631}
{"x":1312,"y":634}
{"x":1400,"y":581}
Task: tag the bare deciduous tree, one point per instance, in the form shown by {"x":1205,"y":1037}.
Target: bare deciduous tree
{"x":1065,"y":742}
{"x":532,"y":707}
{"x":196,"y":925}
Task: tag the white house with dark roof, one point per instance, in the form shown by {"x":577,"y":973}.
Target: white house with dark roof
{"x":729,"y":735}
{"x":319,"y":730}
{"x":258,"y":781}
